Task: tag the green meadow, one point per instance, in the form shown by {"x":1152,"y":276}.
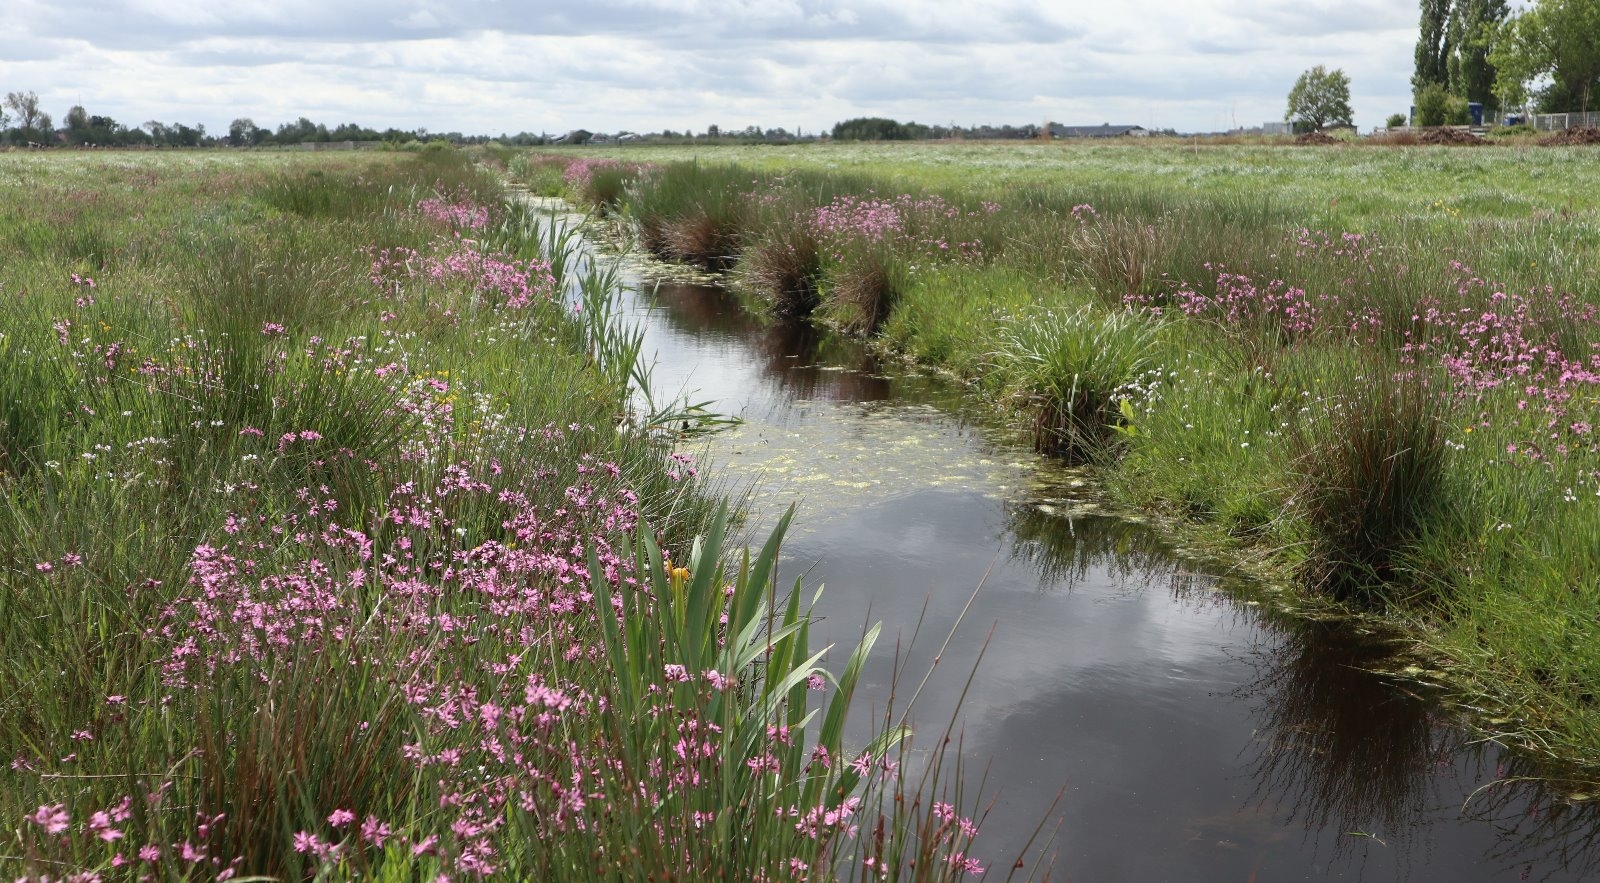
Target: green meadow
{"x":331,"y":547}
{"x":1368,"y":372}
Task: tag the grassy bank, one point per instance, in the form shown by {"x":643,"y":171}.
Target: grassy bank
{"x":1373,"y":369}
{"x":327,"y":551}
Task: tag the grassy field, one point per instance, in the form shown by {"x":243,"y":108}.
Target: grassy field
{"x":327,"y":551}
{"x":1373,"y":370}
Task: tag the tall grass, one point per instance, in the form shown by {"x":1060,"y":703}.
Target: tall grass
{"x":782,"y":260}
{"x":1073,"y":371}
{"x":1302,"y":307}
{"x":325,"y":555}
{"x":1371,"y":481}
{"x":691,"y":212}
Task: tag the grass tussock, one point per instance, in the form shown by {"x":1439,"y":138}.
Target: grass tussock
{"x":691,"y":213}
{"x":1371,"y":481}
{"x":861,"y":292}
{"x":1072,"y":371}
{"x":783,"y":262}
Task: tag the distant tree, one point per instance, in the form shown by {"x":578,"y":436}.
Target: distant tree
{"x":244,"y":132}
{"x":33,"y":124}
{"x":712,"y":131}
{"x":1396,"y":120}
{"x":79,"y":129}
{"x":105,"y":130}
{"x":1556,"y":42}
{"x":26,"y":106}
{"x":1473,"y":27}
{"x":1437,"y":107}
{"x":870,"y":129}
{"x":1433,"y":45}
{"x":354,"y":132}
{"x":299,"y":131}
{"x":1320,"y":98}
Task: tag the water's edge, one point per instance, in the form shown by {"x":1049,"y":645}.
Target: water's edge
{"x":1206,"y":724}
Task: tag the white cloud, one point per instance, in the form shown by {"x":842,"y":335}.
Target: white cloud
{"x":419,"y":20}
{"x":488,"y":66}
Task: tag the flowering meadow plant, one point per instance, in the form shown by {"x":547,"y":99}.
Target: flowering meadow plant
{"x":1386,"y":394}
{"x":325,"y":557}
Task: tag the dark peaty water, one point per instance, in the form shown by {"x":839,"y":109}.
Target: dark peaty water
{"x":1189,"y":736}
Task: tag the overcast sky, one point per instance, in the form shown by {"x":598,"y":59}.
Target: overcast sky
{"x":492,"y":66}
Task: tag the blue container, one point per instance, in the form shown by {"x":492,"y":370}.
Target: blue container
{"x":1475,"y":110}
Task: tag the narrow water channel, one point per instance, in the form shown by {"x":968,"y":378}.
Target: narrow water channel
{"x":1190,"y":736}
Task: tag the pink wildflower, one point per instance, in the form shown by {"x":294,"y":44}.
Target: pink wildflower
{"x":53,"y":819}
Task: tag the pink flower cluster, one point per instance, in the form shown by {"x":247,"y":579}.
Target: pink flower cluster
{"x":459,"y":212}
{"x":500,"y":280}
{"x":1541,"y":346}
{"x":107,"y":826}
{"x":922,"y":223}
{"x":579,"y":171}
{"x":1238,"y":300}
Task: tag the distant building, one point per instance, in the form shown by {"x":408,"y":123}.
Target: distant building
{"x":1104,"y":130}
{"x":1277,"y":128}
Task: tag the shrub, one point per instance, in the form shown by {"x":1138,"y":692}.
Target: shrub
{"x":1437,"y":107}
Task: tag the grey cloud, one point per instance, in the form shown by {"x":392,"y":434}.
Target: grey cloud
{"x":1334,"y":17}
{"x":127,"y":24}
{"x":638,"y":64}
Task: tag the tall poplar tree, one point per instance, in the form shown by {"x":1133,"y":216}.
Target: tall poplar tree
{"x":1471,"y":31}
{"x":1433,"y":46}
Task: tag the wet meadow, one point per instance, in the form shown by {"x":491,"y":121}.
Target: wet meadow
{"x":1370,"y":374}
{"x":331,"y":547}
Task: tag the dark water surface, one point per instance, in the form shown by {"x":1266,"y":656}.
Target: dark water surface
{"x":1190,"y":736}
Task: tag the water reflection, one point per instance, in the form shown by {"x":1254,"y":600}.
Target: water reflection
{"x":1069,"y":542}
{"x":803,"y":360}
{"x":1356,"y":760}
{"x":1350,"y":757}
{"x":1541,"y":833}
{"x":1195,"y":738}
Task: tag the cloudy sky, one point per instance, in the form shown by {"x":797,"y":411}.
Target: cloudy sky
{"x":492,"y":66}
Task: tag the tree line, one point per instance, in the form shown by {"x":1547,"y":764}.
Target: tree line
{"x":24,"y":122}
{"x":1544,"y":58}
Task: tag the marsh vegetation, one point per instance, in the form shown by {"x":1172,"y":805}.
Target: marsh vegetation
{"x":1370,"y":370}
